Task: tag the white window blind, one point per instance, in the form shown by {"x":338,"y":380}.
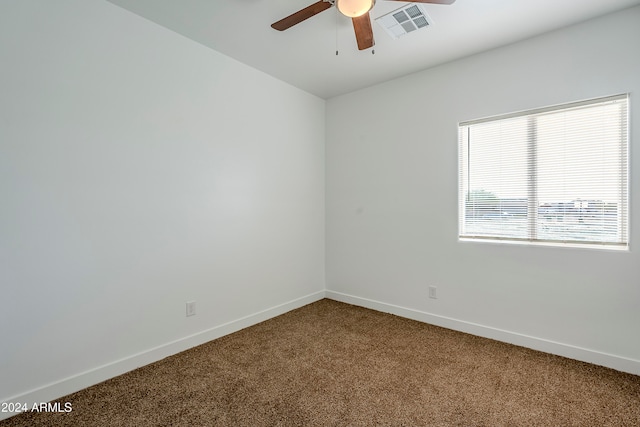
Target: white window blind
{"x":556,"y":175}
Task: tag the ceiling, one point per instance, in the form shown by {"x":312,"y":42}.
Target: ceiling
{"x":305,"y":55}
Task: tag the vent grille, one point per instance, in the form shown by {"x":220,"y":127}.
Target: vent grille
{"x":413,"y":11}
{"x":404,"y":20}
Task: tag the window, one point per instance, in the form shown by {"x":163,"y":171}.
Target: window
{"x":552,"y":175}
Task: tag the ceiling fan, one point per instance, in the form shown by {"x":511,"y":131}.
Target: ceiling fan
{"x":357,"y":10}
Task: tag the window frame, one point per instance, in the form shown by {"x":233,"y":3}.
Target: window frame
{"x":533,"y":205}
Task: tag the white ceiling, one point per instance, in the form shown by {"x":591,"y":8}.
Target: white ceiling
{"x":304,"y":55}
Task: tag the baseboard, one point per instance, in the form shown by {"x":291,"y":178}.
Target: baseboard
{"x":97,"y":375}
{"x":623,"y":364}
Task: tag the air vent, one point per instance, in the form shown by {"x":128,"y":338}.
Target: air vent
{"x":404,"y":20}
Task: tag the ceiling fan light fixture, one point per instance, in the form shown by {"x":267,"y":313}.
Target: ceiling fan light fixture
{"x":354,"y":8}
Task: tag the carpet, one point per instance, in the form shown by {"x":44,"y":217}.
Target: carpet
{"x":334,"y":364}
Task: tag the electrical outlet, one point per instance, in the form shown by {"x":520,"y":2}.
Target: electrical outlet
{"x":433,"y":292}
{"x":191,"y":308}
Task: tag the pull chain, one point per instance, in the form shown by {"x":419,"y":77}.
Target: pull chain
{"x":336,"y":30}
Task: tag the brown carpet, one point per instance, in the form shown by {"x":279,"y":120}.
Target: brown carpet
{"x":333,"y":364}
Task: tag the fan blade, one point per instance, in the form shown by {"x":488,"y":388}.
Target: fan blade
{"x":427,"y":1}
{"x":364,"y":32}
{"x":301,"y":15}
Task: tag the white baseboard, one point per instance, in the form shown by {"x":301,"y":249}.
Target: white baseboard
{"x":619,"y":363}
{"x":97,"y":375}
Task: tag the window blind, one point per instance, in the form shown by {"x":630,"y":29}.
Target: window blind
{"x":556,"y":174}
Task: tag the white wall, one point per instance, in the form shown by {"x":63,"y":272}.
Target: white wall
{"x":140,"y":170}
{"x":392,"y":191}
